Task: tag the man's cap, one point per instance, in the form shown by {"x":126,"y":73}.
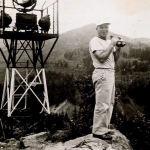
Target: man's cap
{"x":103,"y":21}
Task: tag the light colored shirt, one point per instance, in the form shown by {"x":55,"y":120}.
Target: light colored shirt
{"x":98,"y":44}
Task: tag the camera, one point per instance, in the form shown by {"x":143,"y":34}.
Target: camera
{"x":120,"y":43}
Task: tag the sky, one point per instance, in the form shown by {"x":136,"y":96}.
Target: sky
{"x":128,"y":17}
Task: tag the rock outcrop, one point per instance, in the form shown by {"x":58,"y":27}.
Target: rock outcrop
{"x":34,"y":140}
{"x":38,"y":142}
{"x":11,"y":144}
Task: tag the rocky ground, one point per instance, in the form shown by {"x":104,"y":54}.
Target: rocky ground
{"x":39,"y":142}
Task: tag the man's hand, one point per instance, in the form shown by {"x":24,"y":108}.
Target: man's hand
{"x":114,"y":41}
{"x":121,"y":39}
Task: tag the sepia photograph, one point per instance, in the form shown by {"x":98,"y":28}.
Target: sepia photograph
{"x":75,"y":74}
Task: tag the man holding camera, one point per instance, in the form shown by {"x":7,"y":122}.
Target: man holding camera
{"x":104,"y":54}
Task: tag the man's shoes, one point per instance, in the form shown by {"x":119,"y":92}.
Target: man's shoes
{"x":105,"y":136}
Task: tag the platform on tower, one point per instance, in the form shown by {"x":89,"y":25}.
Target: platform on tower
{"x":28,"y":35}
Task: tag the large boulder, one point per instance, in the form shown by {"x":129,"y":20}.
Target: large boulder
{"x":119,"y":142}
{"x":38,"y":142}
{"x":35,"y":140}
{"x":10,"y":144}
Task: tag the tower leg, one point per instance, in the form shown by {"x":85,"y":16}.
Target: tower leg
{"x":4,"y":92}
{"x":26,"y":96}
{"x":11,"y":97}
{"x":46,"y":100}
{"x":8,"y":88}
{"x":7,"y":76}
{"x":13,"y":90}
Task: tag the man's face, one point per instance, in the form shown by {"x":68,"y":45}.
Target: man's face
{"x":102,"y":30}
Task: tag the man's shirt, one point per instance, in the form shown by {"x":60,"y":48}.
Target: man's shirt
{"x":97,"y":44}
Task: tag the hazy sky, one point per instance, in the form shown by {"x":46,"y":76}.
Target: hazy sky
{"x":128,"y":17}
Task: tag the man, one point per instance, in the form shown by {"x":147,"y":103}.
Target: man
{"x":104,"y":54}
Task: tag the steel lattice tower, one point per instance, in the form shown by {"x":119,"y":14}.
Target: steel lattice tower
{"x":26,"y":39}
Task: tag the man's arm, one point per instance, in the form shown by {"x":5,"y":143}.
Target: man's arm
{"x":117,"y":54}
{"x":103,"y":55}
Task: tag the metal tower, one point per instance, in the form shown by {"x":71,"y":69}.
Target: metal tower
{"x":24,"y":54}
